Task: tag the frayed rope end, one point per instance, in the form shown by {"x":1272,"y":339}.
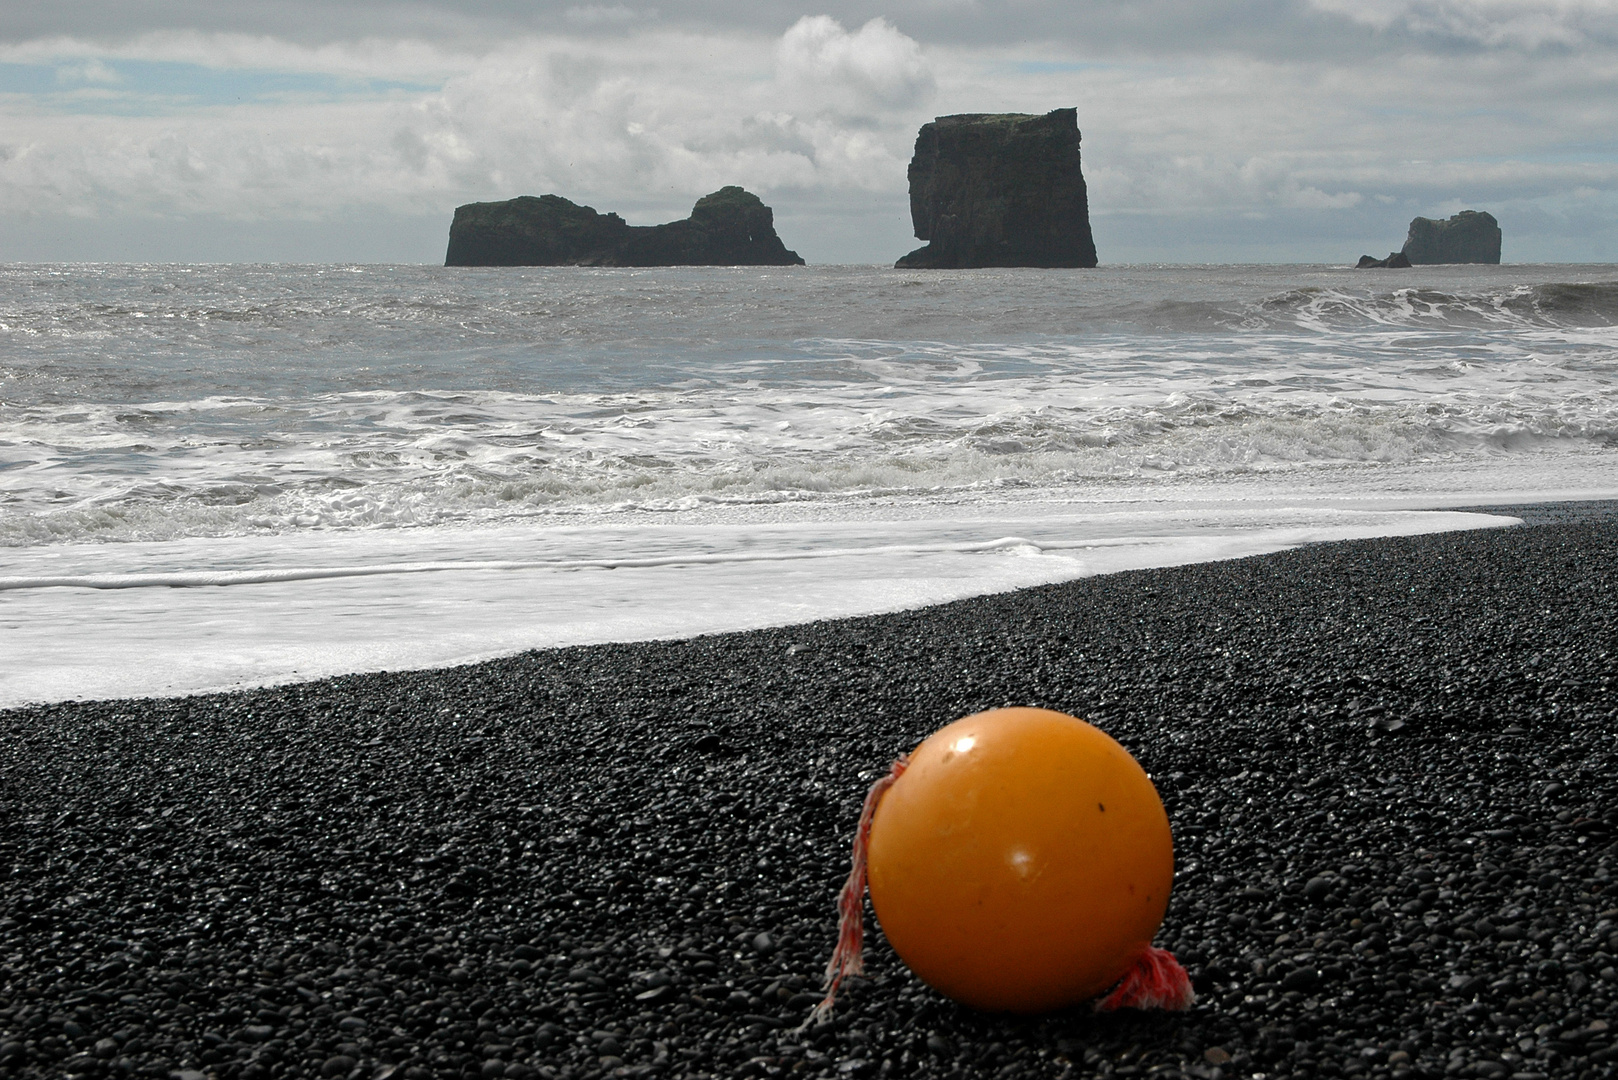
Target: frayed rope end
{"x":1155,"y":981}
{"x":849,"y":956}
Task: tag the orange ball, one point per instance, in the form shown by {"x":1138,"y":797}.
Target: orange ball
{"x":1021,"y":862}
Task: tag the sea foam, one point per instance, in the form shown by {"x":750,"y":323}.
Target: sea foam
{"x":197,"y":455}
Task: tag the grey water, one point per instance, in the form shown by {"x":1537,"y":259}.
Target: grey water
{"x":151,"y":402}
{"x":220,"y":476}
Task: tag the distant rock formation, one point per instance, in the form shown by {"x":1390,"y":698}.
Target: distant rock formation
{"x":1469,"y":237}
{"x":731,"y":227}
{"x":1395,"y":261}
{"x":1000,"y":189}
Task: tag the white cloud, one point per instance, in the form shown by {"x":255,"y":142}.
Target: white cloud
{"x":93,"y":70}
{"x":377,"y":57}
{"x":876,"y":63}
{"x":1529,"y":24}
{"x":605,"y":15}
{"x":651,"y":120}
{"x":818,"y":118}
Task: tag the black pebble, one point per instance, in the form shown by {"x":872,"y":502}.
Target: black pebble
{"x":1389,"y":766}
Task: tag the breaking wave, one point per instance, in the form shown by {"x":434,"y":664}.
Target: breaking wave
{"x":154,"y":403}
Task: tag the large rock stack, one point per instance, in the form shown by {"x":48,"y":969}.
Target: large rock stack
{"x":1001,"y":189}
{"x":1472,"y":236}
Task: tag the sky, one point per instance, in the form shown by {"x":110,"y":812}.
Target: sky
{"x":1213,"y":132}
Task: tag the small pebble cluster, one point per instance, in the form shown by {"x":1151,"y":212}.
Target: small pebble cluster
{"x":1390,"y":768}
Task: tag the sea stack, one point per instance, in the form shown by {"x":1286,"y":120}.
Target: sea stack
{"x":999,"y":189}
{"x":1471,"y":236}
{"x":731,"y":227}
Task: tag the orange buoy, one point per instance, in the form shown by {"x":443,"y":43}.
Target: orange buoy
{"x":1019,"y":860}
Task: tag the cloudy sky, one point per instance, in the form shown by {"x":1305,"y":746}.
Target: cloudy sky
{"x":1242,"y":130}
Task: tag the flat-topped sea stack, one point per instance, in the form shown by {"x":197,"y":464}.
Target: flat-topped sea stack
{"x":1471,"y":236}
{"x":1000,"y":189}
{"x":731,"y":227}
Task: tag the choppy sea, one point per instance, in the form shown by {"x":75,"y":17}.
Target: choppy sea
{"x":220,"y":476}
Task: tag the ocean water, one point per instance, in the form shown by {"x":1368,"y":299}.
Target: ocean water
{"x":217,"y":476}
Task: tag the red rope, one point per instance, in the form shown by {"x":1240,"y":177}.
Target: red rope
{"x":849,"y":956}
{"x":1154,"y":981}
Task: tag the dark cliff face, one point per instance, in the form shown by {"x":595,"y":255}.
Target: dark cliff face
{"x":547,"y":231}
{"x":1000,"y":189}
{"x":731,"y":227}
{"x":1469,"y":237}
{"x":1396,"y":260}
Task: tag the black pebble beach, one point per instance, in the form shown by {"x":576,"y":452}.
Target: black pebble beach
{"x":1390,"y":765}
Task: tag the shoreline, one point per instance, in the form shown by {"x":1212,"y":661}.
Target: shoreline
{"x":141,"y":620}
{"x":1388,"y":764}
